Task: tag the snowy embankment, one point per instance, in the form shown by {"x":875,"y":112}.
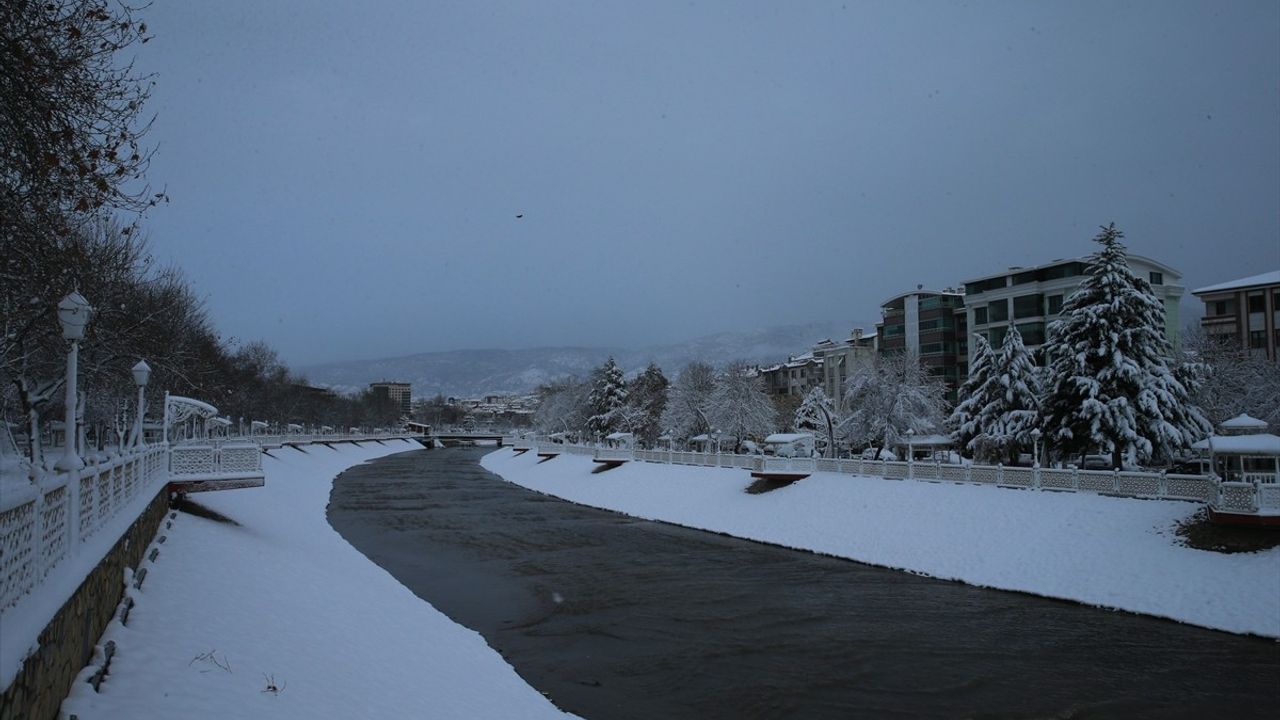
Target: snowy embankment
{"x":1110,"y":552}
{"x":282,"y":600}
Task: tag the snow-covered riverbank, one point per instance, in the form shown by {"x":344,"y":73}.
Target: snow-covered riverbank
{"x":283,"y":600}
{"x":1111,"y":552}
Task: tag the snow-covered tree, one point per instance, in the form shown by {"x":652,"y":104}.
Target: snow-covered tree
{"x":1109,"y":385}
{"x":688,"y":400}
{"x":608,"y":396}
{"x":818,"y":415}
{"x":1225,"y":379}
{"x":1003,"y":425}
{"x":972,"y":396}
{"x":740,"y":406}
{"x":646,"y":400}
{"x":884,"y":399}
{"x":563,"y":406}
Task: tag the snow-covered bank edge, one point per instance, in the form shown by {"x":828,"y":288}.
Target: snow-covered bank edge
{"x":226,"y":612}
{"x":1113,"y":553}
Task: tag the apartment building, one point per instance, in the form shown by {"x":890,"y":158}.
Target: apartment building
{"x":397,"y":392}
{"x":838,"y":357}
{"x":1032,"y":297}
{"x":1245,"y":312}
{"x":929,"y":324}
{"x":796,"y":376}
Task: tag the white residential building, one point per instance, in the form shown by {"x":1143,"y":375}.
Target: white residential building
{"x":838,"y":357}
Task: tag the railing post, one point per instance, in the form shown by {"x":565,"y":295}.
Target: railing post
{"x":968,"y":472}
{"x":911,"y":466}
{"x":1115,"y":480}
{"x":1035,"y":474}
{"x":1075,"y":478}
{"x":73,"y":512}
{"x":1163,"y":485}
{"x":999,"y":473}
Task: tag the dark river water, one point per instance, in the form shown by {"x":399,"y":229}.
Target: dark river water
{"x":614,"y":617}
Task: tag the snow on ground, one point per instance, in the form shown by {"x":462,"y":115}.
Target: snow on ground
{"x":1111,"y":552}
{"x":226,"y":609}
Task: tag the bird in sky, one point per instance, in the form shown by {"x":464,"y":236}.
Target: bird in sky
{"x":519,"y":216}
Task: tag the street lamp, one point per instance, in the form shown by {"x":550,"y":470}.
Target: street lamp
{"x":141,"y":374}
{"x":911,"y":455}
{"x":73,"y":314}
{"x":1035,"y":444}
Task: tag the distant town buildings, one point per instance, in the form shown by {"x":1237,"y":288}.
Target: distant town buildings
{"x":1245,"y":312}
{"x":796,"y":376}
{"x":396,"y":392}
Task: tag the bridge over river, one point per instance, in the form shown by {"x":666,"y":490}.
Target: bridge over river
{"x":615,"y":617}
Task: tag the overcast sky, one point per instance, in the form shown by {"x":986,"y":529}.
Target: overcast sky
{"x":346,"y":177}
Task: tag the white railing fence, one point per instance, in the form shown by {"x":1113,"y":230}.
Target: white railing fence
{"x":62,"y":515}
{"x":209,"y":460}
{"x":1157,"y":485}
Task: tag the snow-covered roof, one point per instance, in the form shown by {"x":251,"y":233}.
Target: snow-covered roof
{"x":180,"y":408}
{"x":258,"y":425}
{"x":1260,"y":444}
{"x":1063,"y":261}
{"x":220,"y":422}
{"x":619,"y":436}
{"x":700,"y":438}
{"x":784,"y":438}
{"x":1266,"y":278}
{"x":1243,"y":422}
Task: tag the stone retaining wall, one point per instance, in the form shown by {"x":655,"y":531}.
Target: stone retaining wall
{"x":67,"y":642}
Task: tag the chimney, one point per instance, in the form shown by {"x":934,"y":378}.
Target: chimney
{"x":857,"y":333}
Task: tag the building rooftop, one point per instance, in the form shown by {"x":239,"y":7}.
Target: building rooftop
{"x":1064,"y":261}
{"x":1267,"y":278}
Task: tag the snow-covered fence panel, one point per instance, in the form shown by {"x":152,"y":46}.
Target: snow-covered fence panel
{"x":1268,"y":496}
{"x":1096,"y":480}
{"x":983,"y":473}
{"x":1138,"y":484}
{"x":240,"y":458}
{"x":827,"y":465}
{"x":954,"y":473}
{"x":895,"y":470}
{"x":17,"y":552}
{"x":1189,"y":487}
{"x":1017,"y":477}
{"x":1236,"y":497}
{"x":1058,"y":478}
{"x":612,"y":455}
{"x":192,"y":460}
{"x":926,"y":471}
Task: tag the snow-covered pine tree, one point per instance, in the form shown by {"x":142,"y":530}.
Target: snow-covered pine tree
{"x":688,"y":399}
{"x":608,"y":395}
{"x":1003,"y":425}
{"x":972,"y":396}
{"x":740,"y":407}
{"x":883,"y":400}
{"x":1109,"y":386}
{"x":646,"y":400}
{"x":817,"y":415}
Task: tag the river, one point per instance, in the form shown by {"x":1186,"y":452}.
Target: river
{"x":614,"y":617}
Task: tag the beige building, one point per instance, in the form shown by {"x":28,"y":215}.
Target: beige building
{"x":1245,"y":312}
{"x":838,"y":357}
{"x":795,"y":377}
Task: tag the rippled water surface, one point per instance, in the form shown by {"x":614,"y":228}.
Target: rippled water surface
{"x":614,"y":617}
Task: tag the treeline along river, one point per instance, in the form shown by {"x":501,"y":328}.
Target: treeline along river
{"x":614,"y":617}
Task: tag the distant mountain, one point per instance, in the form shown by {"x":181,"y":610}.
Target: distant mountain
{"x":470,"y":373}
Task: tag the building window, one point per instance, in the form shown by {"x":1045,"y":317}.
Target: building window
{"x":1258,"y":339}
{"x":1257,"y":303}
{"x":1026,"y":306}
{"x":1222,"y":308}
{"x":996,"y":334}
{"x":1055,"y":304}
{"x":1032,"y":333}
{"x":998,"y":311}
{"x":1157,"y":278}
{"x":980,"y":316}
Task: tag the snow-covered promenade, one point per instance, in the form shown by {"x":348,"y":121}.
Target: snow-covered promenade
{"x":282,"y":599}
{"x":1111,"y":552}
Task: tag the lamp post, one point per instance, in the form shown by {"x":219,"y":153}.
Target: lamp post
{"x":1035,"y":444}
{"x":73,"y":314}
{"x":141,"y":374}
{"x":911,"y":434}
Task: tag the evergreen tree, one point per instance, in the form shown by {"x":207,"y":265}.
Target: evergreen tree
{"x":817,"y":415}
{"x":608,"y":396}
{"x":972,"y":394}
{"x":688,"y":400}
{"x":1109,"y":385}
{"x":646,"y":401}
{"x":1004,"y":423}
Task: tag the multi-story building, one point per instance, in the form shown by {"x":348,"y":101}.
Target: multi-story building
{"x":1031,"y":297}
{"x":839,"y":357}
{"x":396,"y":392}
{"x":1245,"y":312}
{"x":929,"y":324}
{"x":796,"y":376}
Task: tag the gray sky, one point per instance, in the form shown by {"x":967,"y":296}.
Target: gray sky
{"x":345,"y":178}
